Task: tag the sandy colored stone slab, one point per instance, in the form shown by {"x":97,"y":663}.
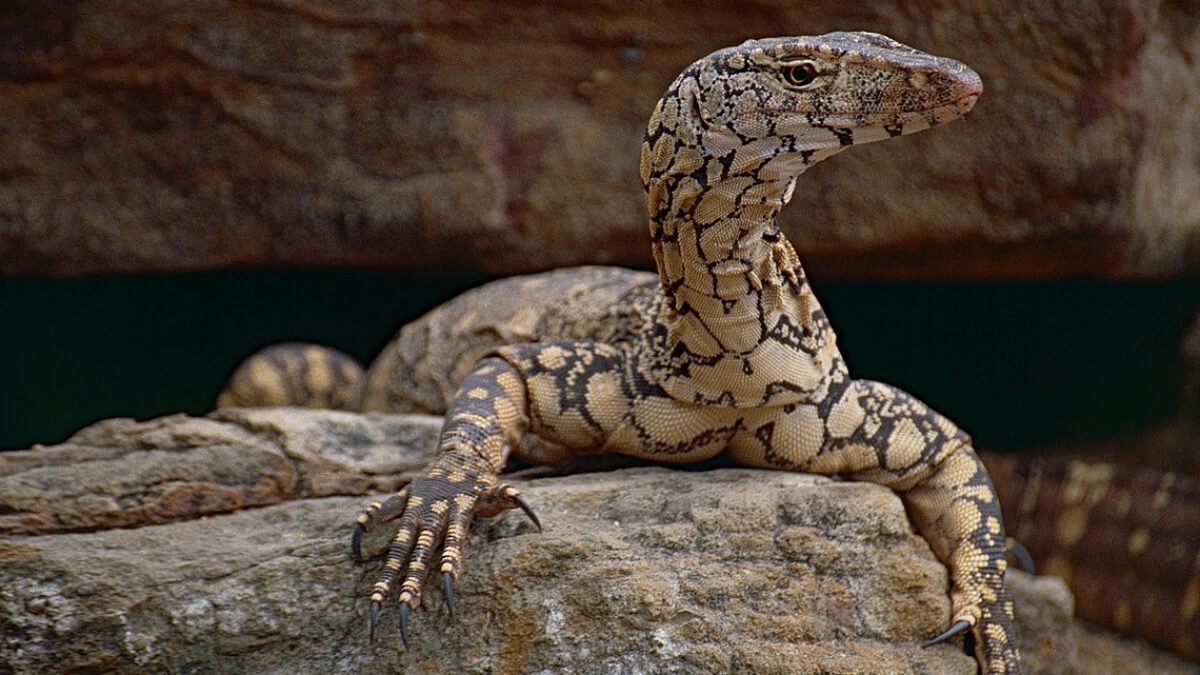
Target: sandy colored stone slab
{"x":650,"y":569}
{"x":122,"y":473}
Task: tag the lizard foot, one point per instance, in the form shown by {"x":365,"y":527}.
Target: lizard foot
{"x":986,"y":616}
{"x":435,"y":513}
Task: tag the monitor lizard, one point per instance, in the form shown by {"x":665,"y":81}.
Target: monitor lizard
{"x":725,"y":350}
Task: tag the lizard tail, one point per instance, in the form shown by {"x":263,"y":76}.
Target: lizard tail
{"x":295,"y":374}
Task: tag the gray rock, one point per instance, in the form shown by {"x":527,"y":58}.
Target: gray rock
{"x":638,"y":570}
{"x":123,"y":473}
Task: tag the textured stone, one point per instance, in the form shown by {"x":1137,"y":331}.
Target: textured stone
{"x":122,"y":473}
{"x":638,"y":570}
{"x":497,"y":138}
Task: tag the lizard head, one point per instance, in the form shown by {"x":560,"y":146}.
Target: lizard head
{"x":768,"y":109}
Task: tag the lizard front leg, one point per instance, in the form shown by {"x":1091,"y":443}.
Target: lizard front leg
{"x":483,"y":424}
{"x":569,"y":393}
{"x":957,"y":511}
{"x":930,"y":462}
{"x":873,"y":432}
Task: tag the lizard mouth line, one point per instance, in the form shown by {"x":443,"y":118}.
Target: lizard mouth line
{"x":962,"y":103}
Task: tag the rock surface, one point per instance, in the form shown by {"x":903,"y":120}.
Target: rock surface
{"x":498,"y":138}
{"x":122,"y":473}
{"x":638,"y":570}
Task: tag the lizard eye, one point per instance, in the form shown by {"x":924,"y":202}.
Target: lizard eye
{"x":799,"y":75}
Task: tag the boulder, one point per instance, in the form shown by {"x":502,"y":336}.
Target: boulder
{"x":638,"y":570}
{"x":500,"y":138}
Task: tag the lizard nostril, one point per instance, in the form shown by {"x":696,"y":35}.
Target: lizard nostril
{"x":966,"y":103}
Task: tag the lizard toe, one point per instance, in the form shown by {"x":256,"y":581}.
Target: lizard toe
{"x":504,"y":497}
{"x":375,"y":514}
{"x":404,"y":609}
{"x":373,"y":620}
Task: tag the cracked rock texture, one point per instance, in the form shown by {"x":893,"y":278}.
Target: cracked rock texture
{"x":422,"y":135}
{"x":217,"y":545}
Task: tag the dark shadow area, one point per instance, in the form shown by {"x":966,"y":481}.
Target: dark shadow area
{"x":1019,"y":364}
{"x":143,"y":346}
{"x":1024,"y":364}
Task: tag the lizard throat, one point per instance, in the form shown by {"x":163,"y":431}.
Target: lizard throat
{"x":739,"y":315}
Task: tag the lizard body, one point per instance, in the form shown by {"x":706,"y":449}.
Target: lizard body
{"x":725,"y":350}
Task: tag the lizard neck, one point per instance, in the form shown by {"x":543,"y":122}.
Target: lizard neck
{"x":722,"y":267}
{"x":742,"y":326}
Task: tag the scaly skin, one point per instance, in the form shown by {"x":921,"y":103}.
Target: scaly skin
{"x":296,"y":374}
{"x":726,"y":351}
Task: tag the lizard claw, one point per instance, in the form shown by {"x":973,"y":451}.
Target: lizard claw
{"x":960,"y":626}
{"x":372,"y":621}
{"x":524,"y":506}
{"x":502,"y":498}
{"x":1021,"y":554}
{"x":404,"y":609}
{"x":448,"y":589}
{"x":356,"y":541}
